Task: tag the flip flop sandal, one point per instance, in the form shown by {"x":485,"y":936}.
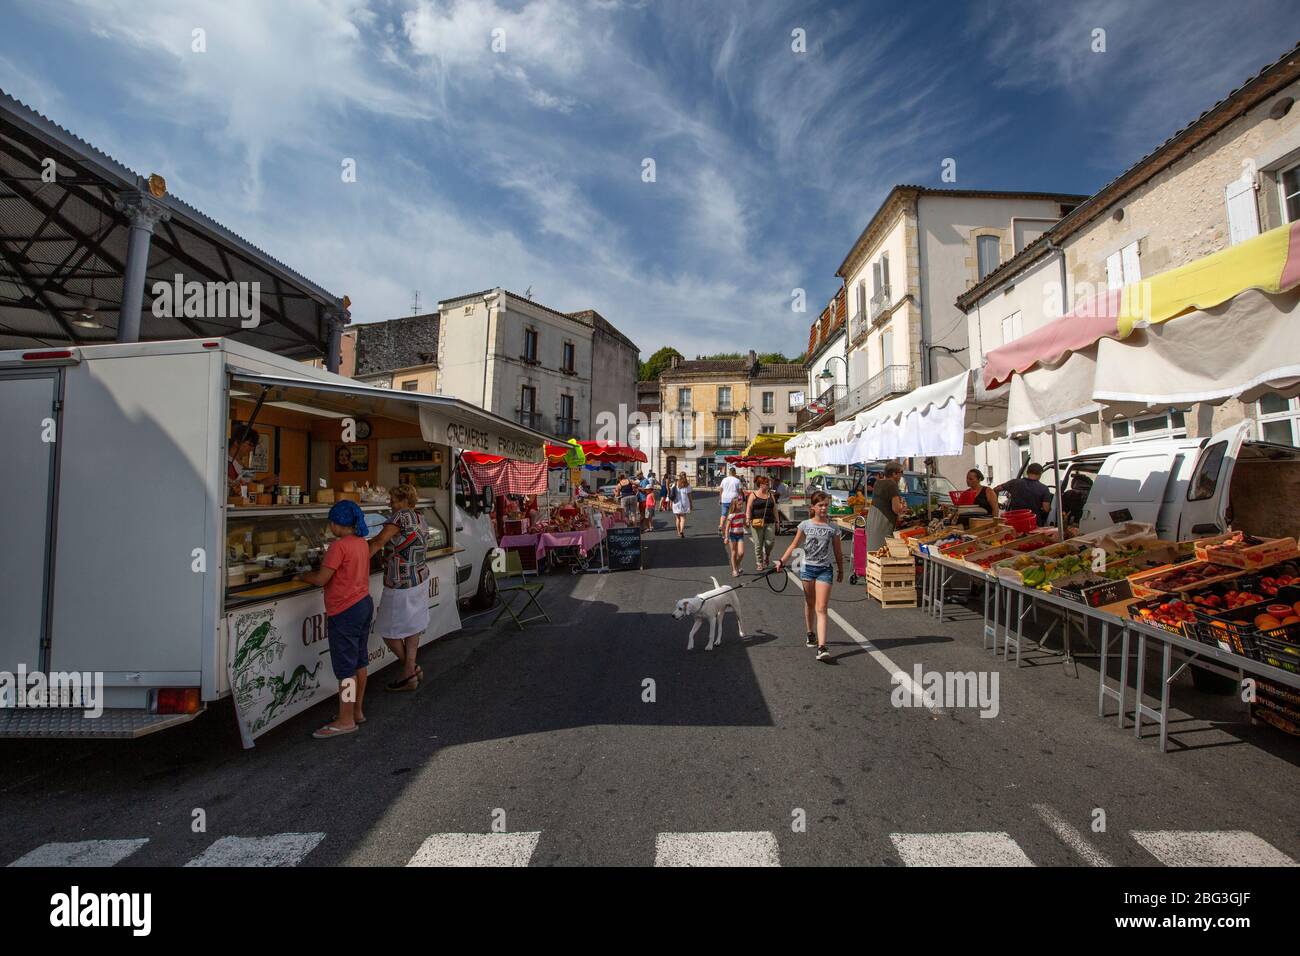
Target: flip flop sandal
{"x":330,"y":731}
{"x":406,"y":683}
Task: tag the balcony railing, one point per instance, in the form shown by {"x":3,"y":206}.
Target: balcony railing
{"x":530,"y":418}
{"x":566,"y":428}
{"x":891,"y":380}
{"x":825,"y":401}
{"x":697,"y":439}
{"x":880,"y":302}
{"x":857,"y":327}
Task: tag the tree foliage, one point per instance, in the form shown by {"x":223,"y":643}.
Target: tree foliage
{"x":650,"y":369}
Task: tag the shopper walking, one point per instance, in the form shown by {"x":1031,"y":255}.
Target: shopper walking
{"x":736,"y":535}
{"x":681,"y":499}
{"x":403,"y":615}
{"x":626,"y":493}
{"x":760,"y":515}
{"x":727,"y":493}
{"x":821,"y":542}
{"x":887,"y":506}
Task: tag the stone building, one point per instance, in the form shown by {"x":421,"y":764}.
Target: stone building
{"x":1225,"y":177}
{"x":920,"y":250}
{"x":556,"y":372}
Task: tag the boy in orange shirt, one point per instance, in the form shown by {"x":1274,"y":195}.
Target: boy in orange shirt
{"x":349,"y":609}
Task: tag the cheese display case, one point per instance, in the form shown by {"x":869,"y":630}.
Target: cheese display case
{"x":268,"y":547}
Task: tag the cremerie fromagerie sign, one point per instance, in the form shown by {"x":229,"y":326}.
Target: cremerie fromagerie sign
{"x":439,"y":427}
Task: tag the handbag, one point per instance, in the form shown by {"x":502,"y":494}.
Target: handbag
{"x":757,"y":522}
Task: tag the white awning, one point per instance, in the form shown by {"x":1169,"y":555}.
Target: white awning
{"x":1241,"y":349}
{"x":443,"y":420}
{"x":938,"y":419}
{"x":831,"y":445}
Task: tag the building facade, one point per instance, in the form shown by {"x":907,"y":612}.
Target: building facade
{"x":1229,"y":175}
{"x":826,"y":365}
{"x":922,"y":249}
{"x":705,"y":415}
{"x":399,"y":353}
{"x":644,"y":431}
{"x":776,"y":394}
{"x":533,"y":364}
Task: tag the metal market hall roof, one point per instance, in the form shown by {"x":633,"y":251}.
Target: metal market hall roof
{"x":63,"y":252}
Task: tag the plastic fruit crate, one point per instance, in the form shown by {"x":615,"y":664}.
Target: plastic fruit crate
{"x":1137,"y":607}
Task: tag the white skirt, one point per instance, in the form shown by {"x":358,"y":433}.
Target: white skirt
{"x":403,"y":612}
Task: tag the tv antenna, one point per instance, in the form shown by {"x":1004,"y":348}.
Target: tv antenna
{"x":415,"y":303}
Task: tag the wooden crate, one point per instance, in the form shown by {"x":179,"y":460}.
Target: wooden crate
{"x":891,"y":581}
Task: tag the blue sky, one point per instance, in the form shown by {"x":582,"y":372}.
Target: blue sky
{"x":522,"y":167}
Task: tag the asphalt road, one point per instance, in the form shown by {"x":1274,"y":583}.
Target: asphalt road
{"x":540,"y":747}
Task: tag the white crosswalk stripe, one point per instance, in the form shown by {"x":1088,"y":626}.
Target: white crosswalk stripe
{"x":85,"y":853}
{"x":1210,"y":848}
{"x":476,"y":849}
{"x":959,"y":849}
{"x":738,"y":848}
{"x":278,"y":849}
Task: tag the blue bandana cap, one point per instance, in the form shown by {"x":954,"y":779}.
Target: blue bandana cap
{"x":349,"y":514}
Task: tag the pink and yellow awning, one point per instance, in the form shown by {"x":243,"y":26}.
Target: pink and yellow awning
{"x":1269,"y":263}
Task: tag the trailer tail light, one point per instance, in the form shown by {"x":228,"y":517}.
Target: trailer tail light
{"x":212,"y":345}
{"x":53,"y":356}
{"x":176,"y":700}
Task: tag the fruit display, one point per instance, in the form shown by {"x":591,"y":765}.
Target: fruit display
{"x":1039,"y":539}
{"x":1181,"y":577}
{"x":1171,"y":615}
{"x":986,"y":559}
{"x":1243,"y":550}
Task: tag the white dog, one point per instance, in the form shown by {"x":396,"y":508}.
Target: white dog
{"x":710,"y":606}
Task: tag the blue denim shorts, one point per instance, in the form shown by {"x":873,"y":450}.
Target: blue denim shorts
{"x":732,"y":536}
{"x":349,"y":638}
{"x":821,"y":573}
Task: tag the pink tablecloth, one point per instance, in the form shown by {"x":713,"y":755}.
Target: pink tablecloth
{"x":585,"y":540}
{"x":541,"y":543}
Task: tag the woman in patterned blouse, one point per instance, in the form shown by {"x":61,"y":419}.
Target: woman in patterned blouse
{"x":403,"y":614}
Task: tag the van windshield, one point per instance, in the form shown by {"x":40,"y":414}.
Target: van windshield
{"x":836,"y":483}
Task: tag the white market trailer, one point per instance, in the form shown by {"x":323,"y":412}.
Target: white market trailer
{"x":125,"y":560}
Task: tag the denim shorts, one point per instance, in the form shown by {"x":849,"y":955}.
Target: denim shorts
{"x":349,"y":638}
{"x":732,"y":536}
{"x":821,"y":573}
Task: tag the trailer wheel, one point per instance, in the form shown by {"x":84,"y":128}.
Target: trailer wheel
{"x":853,"y":579}
{"x":486,"y":596}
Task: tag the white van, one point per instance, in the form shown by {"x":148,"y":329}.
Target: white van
{"x":137,"y":564}
{"x":1188,"y":488}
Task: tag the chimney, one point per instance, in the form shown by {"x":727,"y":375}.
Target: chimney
{"x":675,"y":360}
{"x":753,"y":358}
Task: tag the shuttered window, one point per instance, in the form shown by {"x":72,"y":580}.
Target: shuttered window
{"x":1123,"y":267}
{"x":1243,"y":215}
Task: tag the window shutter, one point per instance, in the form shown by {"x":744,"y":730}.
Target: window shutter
{"x":1132,"y":270}
{"x":1114,"y":271}
{"x":884,"y":270}
{"x":875,"y":276}
{"x":1243,"y":216}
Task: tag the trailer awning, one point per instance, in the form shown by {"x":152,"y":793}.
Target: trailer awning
{"x":442,"y":420}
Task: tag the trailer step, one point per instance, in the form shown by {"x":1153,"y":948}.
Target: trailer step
{"x":62,"y":722}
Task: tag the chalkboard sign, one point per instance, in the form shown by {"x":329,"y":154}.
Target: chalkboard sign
{"x":623,"y":545}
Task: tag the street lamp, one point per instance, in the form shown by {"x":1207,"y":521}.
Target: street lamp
{"x":827,"y":375}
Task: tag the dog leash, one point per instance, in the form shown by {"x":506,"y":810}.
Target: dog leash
{"x":767,"y":577}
